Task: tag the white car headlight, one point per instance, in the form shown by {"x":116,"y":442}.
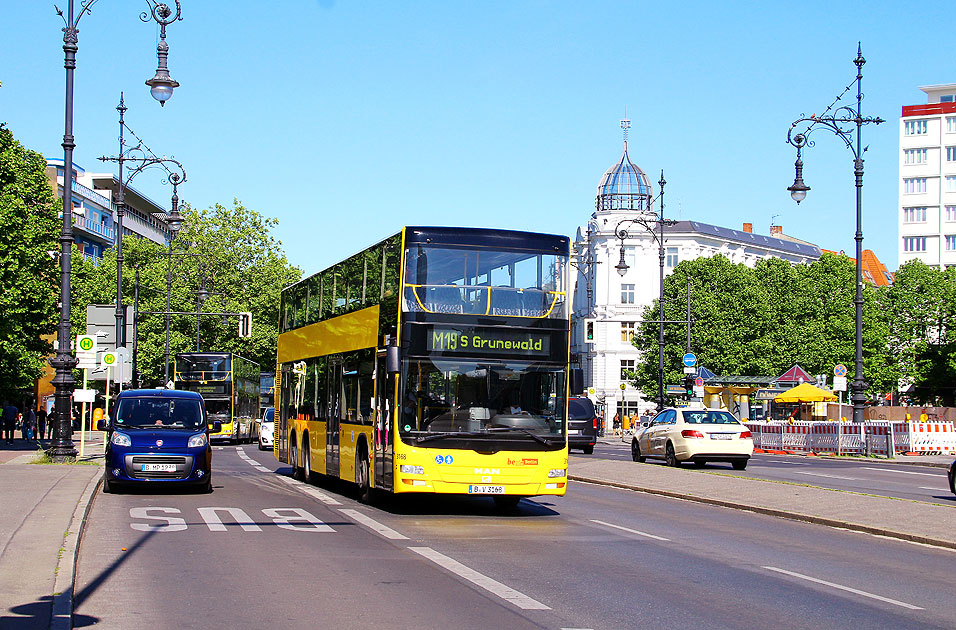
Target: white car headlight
{"x":120,"y":439}
{"x":196,"y":441}
{"x":557,"y":472}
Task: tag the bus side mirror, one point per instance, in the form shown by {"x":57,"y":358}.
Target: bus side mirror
{"x":393,"y":362}
{"x":577,"y":381}
{"x":216,"y":426}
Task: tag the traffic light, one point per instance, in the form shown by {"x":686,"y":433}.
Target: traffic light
{"x":689,"y":385}
{"x":245,"y":324}
{"x":589,"y":331}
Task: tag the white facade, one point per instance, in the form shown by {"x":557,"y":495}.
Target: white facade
{"x":927,"y":197}
{"x":617,"y":302}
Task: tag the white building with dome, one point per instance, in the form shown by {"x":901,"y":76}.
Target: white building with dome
{"x":613,"y":303}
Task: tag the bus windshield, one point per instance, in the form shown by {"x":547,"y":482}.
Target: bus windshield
{"x":446,"y":279}
{"x":482,"y":399}
{"x":207,"y":368}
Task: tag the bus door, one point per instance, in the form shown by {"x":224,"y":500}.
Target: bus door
{"x":335,"y":409}
{"x":384,"y":400}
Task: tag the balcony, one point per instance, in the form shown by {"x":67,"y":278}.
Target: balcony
{"x":92,"y":227}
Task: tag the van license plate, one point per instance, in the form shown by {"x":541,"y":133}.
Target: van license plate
{"x":158,"y":468}
{"x":486,"y":489}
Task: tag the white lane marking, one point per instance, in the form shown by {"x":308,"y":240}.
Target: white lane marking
{"x":844,"y":588}
{"x":374,"y":525}
{"x":632,"y":531}
{"x":804,"y":472}
{"x":311,"y":491}
{"x":934,"y":489}
{"x":262,"y":468}
{"x":905,"y":472}
{"x":478,"y":579}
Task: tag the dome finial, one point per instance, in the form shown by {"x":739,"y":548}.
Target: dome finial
{"x":625,"y":125}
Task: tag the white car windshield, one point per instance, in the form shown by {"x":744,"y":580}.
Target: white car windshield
{"x":709,"y":417}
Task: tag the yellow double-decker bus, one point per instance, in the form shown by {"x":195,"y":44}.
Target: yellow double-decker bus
{"x":229,"y":386}
{"x":435,"y":361}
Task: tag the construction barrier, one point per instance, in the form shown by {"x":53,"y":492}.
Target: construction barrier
{"x":847,"y":438}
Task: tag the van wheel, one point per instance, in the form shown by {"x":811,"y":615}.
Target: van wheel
{"x":588,"y":450}
{"x":363,"y":477}
{"x":108,"y":486}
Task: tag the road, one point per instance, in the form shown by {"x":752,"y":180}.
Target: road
{"x":597,"y":558}
{"x":917,"y":483}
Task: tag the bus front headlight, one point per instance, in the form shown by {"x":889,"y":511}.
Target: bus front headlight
{"x":413,"y":470}
{"x":557,"y":472}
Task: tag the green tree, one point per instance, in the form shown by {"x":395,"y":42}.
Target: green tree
{"x":28,"y":273}
{"x":227,"y":250}
{"x":760,"y":321}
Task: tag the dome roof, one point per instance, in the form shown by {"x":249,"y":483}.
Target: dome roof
{"x":624,"y":186}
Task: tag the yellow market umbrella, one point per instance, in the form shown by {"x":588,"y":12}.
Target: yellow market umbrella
{"x":803,"y":393}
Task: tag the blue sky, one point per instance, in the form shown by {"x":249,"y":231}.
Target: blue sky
{"x":345,"y":120}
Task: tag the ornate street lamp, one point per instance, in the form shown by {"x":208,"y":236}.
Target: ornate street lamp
{"x":654,"y":226}
{"x":842,"y":121}
{"x":62,"y":449}
{"x":162,"y":85}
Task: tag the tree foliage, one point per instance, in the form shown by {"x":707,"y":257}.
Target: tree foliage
{"x":227,"y":250}
{"x":28,"y":273}
{"x":760,"y":321}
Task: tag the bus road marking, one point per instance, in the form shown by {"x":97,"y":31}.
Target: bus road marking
{"x":374,"y":525}
{"x":291,"y":518}
{"x":478,"y":579}
{"x":632,"y":531}
{"x":844,"y":588}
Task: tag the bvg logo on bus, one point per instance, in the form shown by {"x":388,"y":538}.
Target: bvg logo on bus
{"x":525,"y":461}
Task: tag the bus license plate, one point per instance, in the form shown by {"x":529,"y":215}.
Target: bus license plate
{"x":158,"y":468}
{"x":486,"y":489}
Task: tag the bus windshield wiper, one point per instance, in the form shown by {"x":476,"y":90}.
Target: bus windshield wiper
{"x":438,"y":436}
{"x":537,"y":437}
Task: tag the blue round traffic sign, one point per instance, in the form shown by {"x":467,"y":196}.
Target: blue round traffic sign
{"x":690,"y":359}
{"x":839,"y":370}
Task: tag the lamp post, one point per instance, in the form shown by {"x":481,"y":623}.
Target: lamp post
{"x":655,"y":227}
{"x":142,"y":158}
{"x":62,"y":449}
{"x":842,"y":121}
{"x":175,"y":222}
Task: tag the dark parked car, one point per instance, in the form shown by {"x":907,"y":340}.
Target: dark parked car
{"x":158,"y":436}
{"x":952,"y":477}
{"x":582,"y":424}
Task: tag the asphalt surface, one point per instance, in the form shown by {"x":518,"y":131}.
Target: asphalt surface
{"x":600,"y":557}
{"x":868,"y":476}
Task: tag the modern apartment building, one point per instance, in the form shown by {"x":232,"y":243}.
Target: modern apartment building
{"x":927,"y":205}
{"x":94,"y":216}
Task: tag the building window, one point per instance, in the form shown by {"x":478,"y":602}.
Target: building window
{"x":627,"y":294}
{"x":914,"y":156}
{"x":951,"y":183}
{"x":914,"y":215}
{"x":951,"y":243}
{"x":914,"y":244}
{"x":951,"y":213}
{"x":627,"y":367}
{"x":914,"y":185}
{"x":951,"y":154}
{"x":672,"y":258}
{"x":630,"y":255}
{"x":947,"y":98}
{"x":627,"y":331}
{"x":915,"y":127}
{"x":951,"y":124}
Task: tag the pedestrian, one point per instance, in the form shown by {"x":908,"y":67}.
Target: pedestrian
{"x":41,"y":423}
{"x":51,"y":421}
{"x":10,"y":414}
{"x":616,"y":427}
{"x":28,"y":424}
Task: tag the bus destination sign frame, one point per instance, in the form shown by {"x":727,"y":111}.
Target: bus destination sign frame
{"x":487,"y":341}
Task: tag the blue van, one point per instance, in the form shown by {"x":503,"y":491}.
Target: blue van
{"x":158,"y":436}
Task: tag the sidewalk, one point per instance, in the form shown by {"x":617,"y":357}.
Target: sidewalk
{"x":43,"y":507}
{"x":915,"y":521}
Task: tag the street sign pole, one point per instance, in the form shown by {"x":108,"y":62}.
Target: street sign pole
{"x":83,"y":419}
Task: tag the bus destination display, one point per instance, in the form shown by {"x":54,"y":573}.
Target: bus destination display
{"x":488,"y":341}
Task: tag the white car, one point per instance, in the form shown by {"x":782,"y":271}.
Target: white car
{"x":695,"y":435}
{"x":266,"y":427}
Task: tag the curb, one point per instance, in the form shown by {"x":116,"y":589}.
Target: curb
{"x":62,"y":615}
{"x":793,"y":516}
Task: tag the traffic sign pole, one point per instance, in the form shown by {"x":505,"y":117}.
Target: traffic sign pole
{"x":83,"y":420}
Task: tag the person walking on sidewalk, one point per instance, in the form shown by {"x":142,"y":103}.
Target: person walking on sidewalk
{"x":10,"y":414}
{"x":28,"y":425}
{"x":41,"y":423}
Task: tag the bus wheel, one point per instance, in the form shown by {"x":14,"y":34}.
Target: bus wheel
{"x":306,"y":460}
{"x":363,"y":477}
{"x":294,"y":457}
